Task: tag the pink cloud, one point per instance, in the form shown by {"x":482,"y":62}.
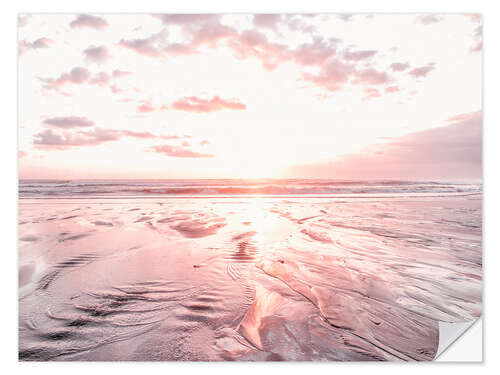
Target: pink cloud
{"x":146,"y":108}
{"x":371,"y":93}
{"x":201,"y":29}
{"x":80,"y":76}
{"x":151,"y":46}
{"x":208,"y":34}
{"x":179,"y":152}
{"x":252,"y":43}
{"x":115,"y":89}
{"x":69,"y":122}
{"x":81,"y":138}
{"x":453,"y":151}
{"x":421,"y":72}
{"x":359,"y":55}
{"x":370,"y":77}
{"x":64,"y":138}
{"x":24,"y":46}
{"x":186,"y":19}
{"x":314,"y":53}
{"x":120,"y":73}
{"x":101,"y":79}
{"x":333,"y":75}
{"x":168,"y":137}
{"x":89,"y":21}
{"x":76,"y":76}
{"x":195,"y":104}
{"x":97,"y":54}
{"x":270,"y":21}
{"x":295,"y":22}
{"x":399,"y":67}
{"x":391,"y":89}
{"x":142,"y":135}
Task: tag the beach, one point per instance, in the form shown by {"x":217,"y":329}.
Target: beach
{"x":359,"y":277}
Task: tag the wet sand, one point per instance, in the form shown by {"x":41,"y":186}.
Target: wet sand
{"x":211,"y":279}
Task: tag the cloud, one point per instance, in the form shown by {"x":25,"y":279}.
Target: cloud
{"x":69,"y":122}
{"x":115,"y":89}
{"x":24,"y":46}
{"x":333,"y":67}
{"x":295,"y":22}
{"x":332,"y":76}
{"x":168,"y":137}
{"x":141,"y":135}
{"x":371,"y":93}
{"x":101,"y":79}
{"x":80,"y":76}
{"x":64,"y":138}
{"x":120,"y":73}
{"x":206,"y":34}
{"x":315,"y":53}
{"x":89,"y":21}
{"x":146,"y":108}
{"x":98,"y":54}
{"x":186,"y":19}
{"x":359,"y":55}
{"x":81,"y":138}
{"x":76,"y":76}
{"x":270,"y":21}
{"x":391,"y":89}
{"x":428,"y":19}
{"x":452,"y":151}
{"x":195,"y":104}
{"x":179,"y":152}
{"x":200,"y":29}
{"x":399,"y":67}
{"x":370,"y":77}
{"x":252,"y":43}
{"x":421,"y":72}
{"x":151,"y":46}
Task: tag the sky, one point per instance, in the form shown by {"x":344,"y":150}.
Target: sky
{"x":250,"y":96}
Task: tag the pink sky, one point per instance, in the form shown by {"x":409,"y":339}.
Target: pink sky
{"x":243,"y":96}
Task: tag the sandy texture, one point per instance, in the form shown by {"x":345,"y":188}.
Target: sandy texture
{"x":245,"y":278}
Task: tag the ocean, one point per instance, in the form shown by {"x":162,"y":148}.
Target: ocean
{"x":236,"y":187}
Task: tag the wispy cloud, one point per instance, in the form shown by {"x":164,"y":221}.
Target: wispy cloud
{"x":179,"y":152}
{"x":76,"y":76}
{"x":24,"y":46}
{"x":399,"y":67}
{"x":422,"y":71}
{"x":195,"y":104}
{"x":69,"y":122}
{"x":89,"y":21}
